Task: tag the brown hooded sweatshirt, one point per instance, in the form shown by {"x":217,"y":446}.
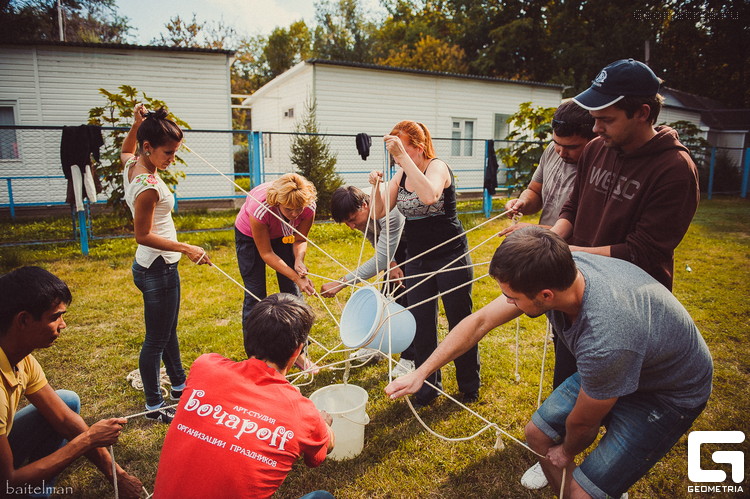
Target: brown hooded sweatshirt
{"x":640,"y":203}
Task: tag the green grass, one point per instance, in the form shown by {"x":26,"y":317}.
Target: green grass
{"x":400,"y":459}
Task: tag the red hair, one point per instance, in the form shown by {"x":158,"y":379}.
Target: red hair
{"x":419,"y":136}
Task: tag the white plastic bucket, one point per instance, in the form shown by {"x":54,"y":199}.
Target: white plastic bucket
{"x":346,"y":404}
{"x":368,"y":318}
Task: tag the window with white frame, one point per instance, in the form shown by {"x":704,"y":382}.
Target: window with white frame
{"x":462,"y":133}
{"x":502,"y":127}
{"x":8,"y":137}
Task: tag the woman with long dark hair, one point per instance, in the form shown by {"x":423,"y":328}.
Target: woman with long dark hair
{"x":149,"y":148}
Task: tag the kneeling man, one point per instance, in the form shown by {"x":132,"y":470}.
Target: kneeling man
{"x":644,"y":370}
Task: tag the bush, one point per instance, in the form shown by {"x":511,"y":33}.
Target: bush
{"x":118,"y":112}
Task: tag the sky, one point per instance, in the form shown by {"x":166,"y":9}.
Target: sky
{"x":248,"y":17}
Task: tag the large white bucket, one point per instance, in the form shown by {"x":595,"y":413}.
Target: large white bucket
{"x":367,"y":320}
{"x":346,"y":404}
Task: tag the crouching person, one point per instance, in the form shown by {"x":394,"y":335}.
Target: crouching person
{"x":45,"y":437}
{"x":240,"y":426}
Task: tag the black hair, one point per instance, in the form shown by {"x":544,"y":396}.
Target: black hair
{"x":30,"y":289}
{"x":276,"y":326}
{"x":532,"y":259}
{"x":345,"y":201}
{"x":157,"y":129}
{"x":571,"y":119}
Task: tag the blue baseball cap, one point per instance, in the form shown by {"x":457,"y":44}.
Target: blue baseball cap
{"x":626,"y":77}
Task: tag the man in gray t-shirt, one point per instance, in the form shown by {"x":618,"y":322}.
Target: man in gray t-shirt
{"x":644,"y":370}
{"x":552,"y":182}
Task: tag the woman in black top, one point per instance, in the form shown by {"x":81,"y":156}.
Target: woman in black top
{"x":424,"y":192}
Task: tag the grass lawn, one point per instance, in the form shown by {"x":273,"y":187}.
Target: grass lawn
{"x":400,"y":459}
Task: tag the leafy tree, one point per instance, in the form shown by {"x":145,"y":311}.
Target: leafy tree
{"x":531,"y":131}
{"x":342,"y":33}
{"x":429,"y":53}
{"x":117,"y":111}
{"x":312,"y":155}
{"x":286,"y":47}
{"x":181,"y":33}
{"x":90,"y":21}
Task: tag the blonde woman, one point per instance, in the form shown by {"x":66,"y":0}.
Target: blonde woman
{"x":263,"y":239}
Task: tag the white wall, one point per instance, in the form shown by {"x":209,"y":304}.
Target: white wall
{"x":57,"y":85}
{"x":351,"y":100}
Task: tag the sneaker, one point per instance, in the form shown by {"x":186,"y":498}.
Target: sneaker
{"x":403,"y":366}
{"x":175,"y":394}
{"x":470,"y":397}
{"x":163,"y":415}
{"x":366,"y":355}
{"x":534,"y":478}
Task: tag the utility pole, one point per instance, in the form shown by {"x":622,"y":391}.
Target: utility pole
{"x":647,"y":52}
{"x":60,"y":21}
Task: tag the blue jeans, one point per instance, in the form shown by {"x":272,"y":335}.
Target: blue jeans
{"x":32,"y":437}
{"x":318,"y":494}
{"x":253,"y":269}
{"x":641,"y":428}
{"x":160,"y":285}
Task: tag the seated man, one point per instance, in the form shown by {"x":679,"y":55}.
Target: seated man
{"x":46,"y":436}
{"x":240,"y":426}
{"x":644,"y":371}
{"x":351,"y":206}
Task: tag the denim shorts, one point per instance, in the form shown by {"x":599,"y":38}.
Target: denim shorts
{"x":641,"y":428}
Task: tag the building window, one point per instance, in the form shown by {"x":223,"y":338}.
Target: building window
{"x":502,"y":127}
{"x":462,"y":134}
{"x":289,"y":113}
{"x":8,"y":138}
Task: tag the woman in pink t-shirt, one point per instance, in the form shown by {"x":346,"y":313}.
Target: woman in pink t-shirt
{"x":264,"y":236}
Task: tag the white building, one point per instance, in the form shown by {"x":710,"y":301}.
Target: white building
{"x":56,"y":83}
{"x":355,"y":97}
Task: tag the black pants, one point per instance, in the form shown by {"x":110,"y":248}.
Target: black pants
{"x":253,"y":269}
{"x":457,"y":305}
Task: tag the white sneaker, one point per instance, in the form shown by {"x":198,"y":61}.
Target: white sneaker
{"x":366,"y":355}
{"x":403,"y":366}
{"x":534,"y":478}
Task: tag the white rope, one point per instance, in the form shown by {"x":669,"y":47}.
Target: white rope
{"x":280,"y":218}
{"x":114,"y":470}
{"x":547,"y":333}
{"x":518,"y":346}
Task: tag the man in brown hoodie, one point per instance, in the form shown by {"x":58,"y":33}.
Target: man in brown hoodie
{"x":636,"y":190}
{"x":637,"y":186}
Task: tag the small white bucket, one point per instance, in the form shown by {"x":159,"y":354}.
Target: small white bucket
{"x":346,"y":404}
{"x":368,"y":318}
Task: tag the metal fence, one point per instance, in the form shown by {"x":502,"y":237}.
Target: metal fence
{"x":30,"y":166}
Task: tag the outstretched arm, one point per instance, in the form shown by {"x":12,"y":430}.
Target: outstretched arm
{"x":82,"y":440}
{"x":465,"y":335}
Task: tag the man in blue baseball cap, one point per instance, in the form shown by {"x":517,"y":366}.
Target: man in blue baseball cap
{"x":637,"y":186}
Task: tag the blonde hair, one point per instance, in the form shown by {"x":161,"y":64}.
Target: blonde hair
{"x":419,"y":136}
{"x":292,"y":191}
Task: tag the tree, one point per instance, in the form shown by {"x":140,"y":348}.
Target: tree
{"x":342,"y":33}
{"x":312,"y":155}
{"x":430,"y":54}
{"x":196,"y":34}
{"x":531,"y":131}
{"x":118,"y":112}
{"x":91,"y":21}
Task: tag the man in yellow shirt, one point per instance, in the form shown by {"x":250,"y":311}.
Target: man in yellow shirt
{"x":46,"y":436}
